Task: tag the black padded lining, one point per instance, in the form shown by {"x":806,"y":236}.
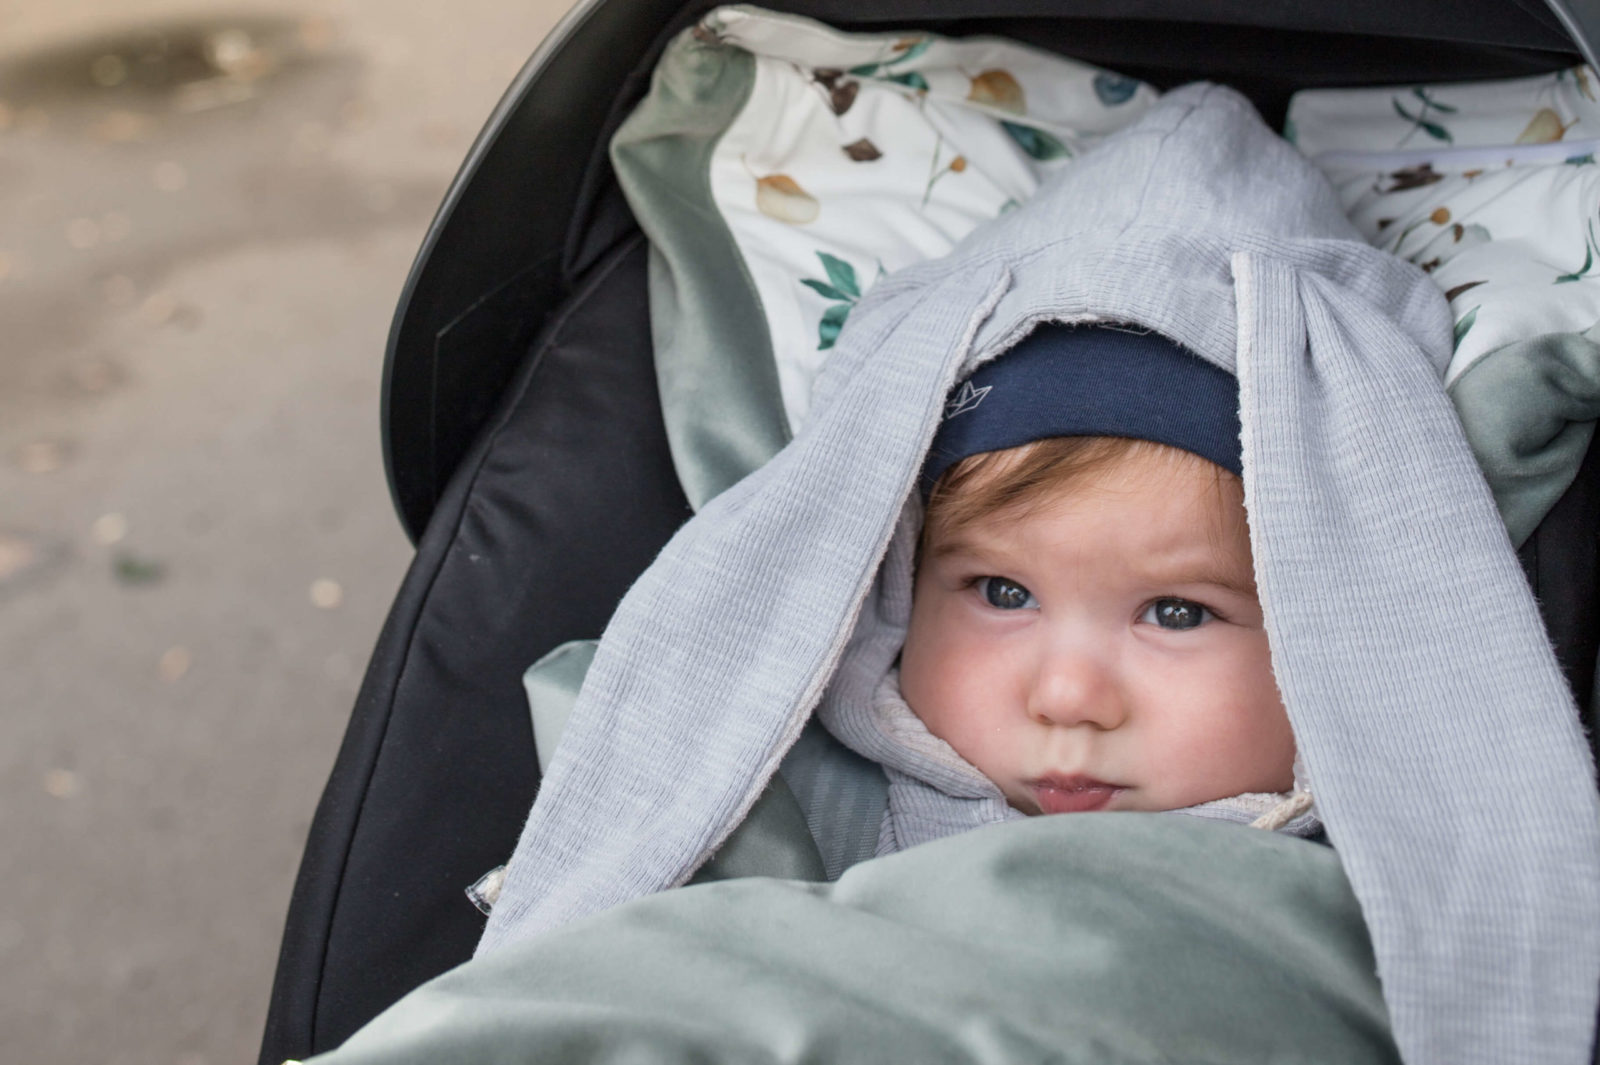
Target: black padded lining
{"x":564,"y":500}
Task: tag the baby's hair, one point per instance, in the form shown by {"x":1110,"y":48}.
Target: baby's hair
{"x":1017,"y":479}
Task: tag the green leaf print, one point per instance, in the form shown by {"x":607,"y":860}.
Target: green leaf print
{"x":1037,"y":143}
{"x":912,"y":52}
{"x":823,"y":289}
{"x":905,"y":49}
{"x":832,"y":321}
{"x":1577,"y":275}
{"x":842,"y":276}
{"x":1463,"y":327}
{"x":842,"y":286}
{"x":1428,"y":101}
{"x":1588,"y":260}
{"x":911,"y":79}
{"x":1420,"y":121}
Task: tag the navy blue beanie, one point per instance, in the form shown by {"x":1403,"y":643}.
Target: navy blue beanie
{"x":1091,"y":381}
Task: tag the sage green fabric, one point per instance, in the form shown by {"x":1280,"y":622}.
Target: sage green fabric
{"x":1105,"y":939}
{"x":842,"y":795}
{"x":551,"y":685}
{"x":1529,"y":410}
{"x":719,"y":385}
{"x":774,"y":840}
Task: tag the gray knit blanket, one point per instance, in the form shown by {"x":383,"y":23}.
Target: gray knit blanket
{"x":1449,"y":765}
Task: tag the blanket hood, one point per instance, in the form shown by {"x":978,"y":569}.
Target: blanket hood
{"x":1439,"y":734}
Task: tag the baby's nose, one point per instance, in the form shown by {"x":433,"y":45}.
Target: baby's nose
{"x":1076,"y":688}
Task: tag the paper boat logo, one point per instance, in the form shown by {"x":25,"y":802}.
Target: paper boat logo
{"x":966,"y":399}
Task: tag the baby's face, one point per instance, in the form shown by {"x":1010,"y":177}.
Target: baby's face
{"x":1105,"y":649}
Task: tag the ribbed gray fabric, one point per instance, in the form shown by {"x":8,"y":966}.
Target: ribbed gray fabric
{"x":1450,"y":768}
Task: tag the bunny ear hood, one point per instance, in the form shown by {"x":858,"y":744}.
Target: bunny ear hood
{"x":1444,"y":745}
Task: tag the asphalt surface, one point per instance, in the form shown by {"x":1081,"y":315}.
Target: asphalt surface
{"x":206,"y":216}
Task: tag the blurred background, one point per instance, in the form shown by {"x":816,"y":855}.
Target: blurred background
{"x":207,"y":211}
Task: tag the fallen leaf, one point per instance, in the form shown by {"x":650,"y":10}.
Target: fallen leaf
{"x":158,"y":308}
{"x":109,"y":529}
{"x":235,"y":53}
{"x":130,"y":569}
{"x":326,"y":594}
{"x":123,"y":126}
{"x":16,"y":555}
{"x":175,"y":662}
{"x":1440,"y":216}
{"x":62,"y":783}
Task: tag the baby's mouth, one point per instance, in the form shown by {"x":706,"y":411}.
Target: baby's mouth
{"x":1072,"y":794}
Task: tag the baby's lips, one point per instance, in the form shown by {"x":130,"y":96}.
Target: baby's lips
{"x":1072,"y":794}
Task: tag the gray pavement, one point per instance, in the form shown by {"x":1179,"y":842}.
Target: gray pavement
{"x":206,"y":215}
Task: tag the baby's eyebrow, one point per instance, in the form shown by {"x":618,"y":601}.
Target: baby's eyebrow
{"x":1217,"y":573}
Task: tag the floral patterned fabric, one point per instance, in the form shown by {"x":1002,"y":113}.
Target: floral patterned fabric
{"x":857,"y":154}
{"x":1490,"y":186}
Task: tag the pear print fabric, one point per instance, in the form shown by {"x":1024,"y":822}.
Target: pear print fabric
{"x":857,"y":154}
{"x":1491,"y":187}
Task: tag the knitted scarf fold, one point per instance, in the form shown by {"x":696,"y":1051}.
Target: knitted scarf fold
{"x":1405,"y":641}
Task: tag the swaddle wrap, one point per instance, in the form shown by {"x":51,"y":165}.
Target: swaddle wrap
{"x":1450,"y":768}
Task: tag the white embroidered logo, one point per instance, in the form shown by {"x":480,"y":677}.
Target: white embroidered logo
{"x":966,"y":399}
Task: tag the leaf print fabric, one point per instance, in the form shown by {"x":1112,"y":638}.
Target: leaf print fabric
{"x":1426,"y":108}
{"x":1490,"y":187}
{"x":857,"y":154}
{"x":841,"y":285}
{"x":779,"y":196}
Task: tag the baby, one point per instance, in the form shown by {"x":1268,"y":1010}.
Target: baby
{"x":1084,"y":628}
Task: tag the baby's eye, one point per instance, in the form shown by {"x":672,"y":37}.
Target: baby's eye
{"x":1003,"y":593}
{"x":1176,"y":614}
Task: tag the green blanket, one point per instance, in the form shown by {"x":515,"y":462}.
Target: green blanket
{"x":1103,"y":939}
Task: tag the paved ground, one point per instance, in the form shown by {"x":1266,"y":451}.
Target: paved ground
{"x":206,"y":214}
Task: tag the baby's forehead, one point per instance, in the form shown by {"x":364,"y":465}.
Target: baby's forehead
{"x":1156,"y":502}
